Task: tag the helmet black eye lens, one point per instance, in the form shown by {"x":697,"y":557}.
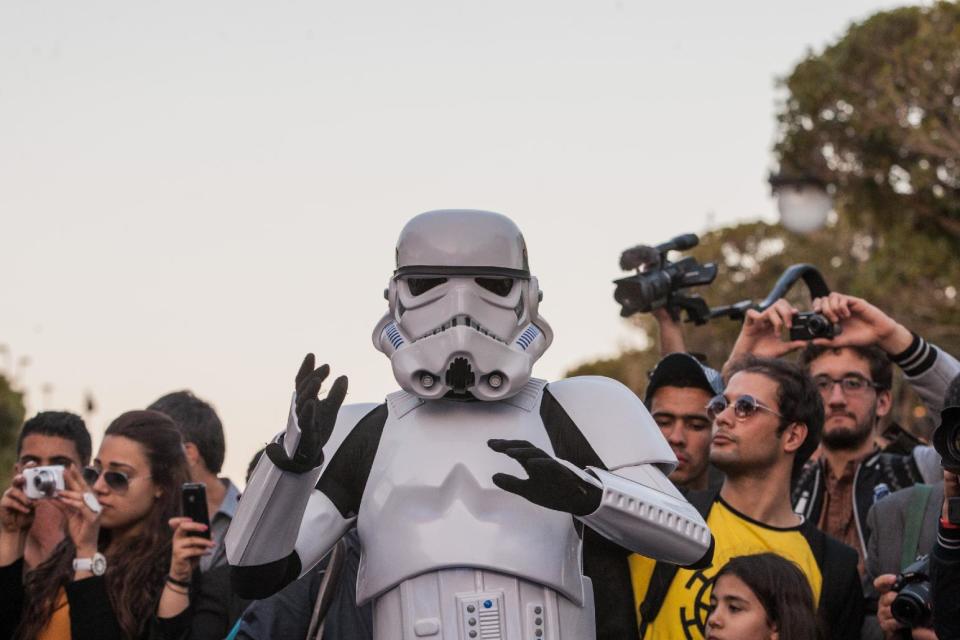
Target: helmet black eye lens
{"x":419,"y":286}
{"x":500,"y":286}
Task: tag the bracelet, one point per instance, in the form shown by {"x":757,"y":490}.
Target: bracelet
{"x":946,"y":524}
{"x":180,"y":583}
{"x":182,"y":592}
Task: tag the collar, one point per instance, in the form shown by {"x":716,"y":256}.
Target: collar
{"x":868,"y":459}
{"x":230,"y":500}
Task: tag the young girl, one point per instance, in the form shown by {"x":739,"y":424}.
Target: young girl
{"x":761,"y":597}
{"x":135,"y":558}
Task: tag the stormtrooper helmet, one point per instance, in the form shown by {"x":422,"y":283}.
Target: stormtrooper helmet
{"x":463,"y":307}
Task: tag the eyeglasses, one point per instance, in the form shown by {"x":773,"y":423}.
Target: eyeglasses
{"x":743,"y":407}
{"x":116,"y":480}
{"x":851,"y":385}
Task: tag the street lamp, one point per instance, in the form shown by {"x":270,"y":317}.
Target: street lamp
{"x":803,"y":202}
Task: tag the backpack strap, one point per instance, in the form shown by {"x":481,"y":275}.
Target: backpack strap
{"x":911,"y":534}
{"x":664,"y":572}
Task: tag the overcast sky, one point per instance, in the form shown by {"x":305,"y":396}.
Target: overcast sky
{"x":194,"y":194}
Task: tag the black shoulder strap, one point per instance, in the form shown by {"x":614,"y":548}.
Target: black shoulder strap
{"x":664,"y":572}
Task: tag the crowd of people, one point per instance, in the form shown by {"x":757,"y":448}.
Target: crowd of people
{"x":815,"y":518}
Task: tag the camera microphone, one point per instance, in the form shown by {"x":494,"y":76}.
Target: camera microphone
{"x":639,"y":256}
{"x":680,"y":243}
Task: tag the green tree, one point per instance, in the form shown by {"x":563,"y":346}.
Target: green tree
{"x":876,"y":116}
{"x":11,"y":419}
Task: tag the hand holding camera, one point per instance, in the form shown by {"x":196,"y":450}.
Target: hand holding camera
{"x":762,"y":332}
{"x":82,"y":512}
{"x":16,"y":508}
{"x":862,"y":324}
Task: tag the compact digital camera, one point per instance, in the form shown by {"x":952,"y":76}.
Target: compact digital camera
{"x":43,"y":482}
{"x":810,"y":325}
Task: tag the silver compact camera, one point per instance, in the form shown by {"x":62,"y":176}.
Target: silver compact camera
{"x":43,"y":482}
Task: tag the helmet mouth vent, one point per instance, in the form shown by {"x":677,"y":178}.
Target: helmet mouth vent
{"x":460,"y":376}
{"x":462,"y":321}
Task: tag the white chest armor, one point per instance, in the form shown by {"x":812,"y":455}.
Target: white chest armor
{"x":430,"y":504}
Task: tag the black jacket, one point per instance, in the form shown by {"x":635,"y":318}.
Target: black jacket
{"x":945,"y":581}
{"x":896,"y":471}
{"x":91,"y":615}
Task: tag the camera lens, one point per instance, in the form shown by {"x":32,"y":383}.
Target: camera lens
{"x":946,"y":439}
{"x":912,"y":605}
{"x":45,"y":483}
{"x":819,"y":326}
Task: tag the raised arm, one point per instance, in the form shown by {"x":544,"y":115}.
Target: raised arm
{"x":283,"y":525}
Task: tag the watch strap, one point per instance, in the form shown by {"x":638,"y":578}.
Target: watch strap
{"x":91,"y":564}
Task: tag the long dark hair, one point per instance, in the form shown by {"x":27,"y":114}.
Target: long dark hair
{"x":782,"y":589}
{"x":136,"y":568}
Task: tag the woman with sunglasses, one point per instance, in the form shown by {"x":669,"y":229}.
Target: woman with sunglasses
{"x":125,"y":568}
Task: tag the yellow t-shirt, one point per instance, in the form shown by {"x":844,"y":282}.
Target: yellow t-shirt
{"x":685,"y":609}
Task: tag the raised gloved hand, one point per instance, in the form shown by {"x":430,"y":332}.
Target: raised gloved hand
{"x":551,"y":484}
{"x":315,"y":417}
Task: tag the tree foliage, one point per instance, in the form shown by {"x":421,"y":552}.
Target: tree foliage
{"x":876,"y":116}
{"x":11,"y":419}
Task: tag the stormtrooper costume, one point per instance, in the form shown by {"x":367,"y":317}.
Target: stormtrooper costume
{"x":456,"y":542}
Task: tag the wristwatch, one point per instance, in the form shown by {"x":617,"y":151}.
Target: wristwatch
{"x":97,"y":565}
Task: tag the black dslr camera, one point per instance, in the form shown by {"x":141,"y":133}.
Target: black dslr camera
{"x":913,"y":606}
{"x":810,"y":325}
{"x":946,"y":439}
{"x":658,"y":281}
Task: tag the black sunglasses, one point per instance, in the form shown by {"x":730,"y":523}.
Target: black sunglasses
{"x":116,"y":480}
{"x":743,"y":407}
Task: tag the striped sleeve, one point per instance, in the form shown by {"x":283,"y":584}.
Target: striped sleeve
{"x":949,"y":539}
{"x":918,"y":358}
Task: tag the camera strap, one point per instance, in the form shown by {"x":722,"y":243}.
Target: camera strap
{"x":911,"y":534}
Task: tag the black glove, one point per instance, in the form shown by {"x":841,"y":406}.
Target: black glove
{"x":551,"y":484}
{"x":315,"y":417}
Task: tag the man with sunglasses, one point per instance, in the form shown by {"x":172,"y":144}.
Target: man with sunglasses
{"x":766,"y":424}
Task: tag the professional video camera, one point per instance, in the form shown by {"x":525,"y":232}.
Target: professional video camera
{"x":913,"y":607}
{"x":658,"y":284}
{"x":658,"y":281}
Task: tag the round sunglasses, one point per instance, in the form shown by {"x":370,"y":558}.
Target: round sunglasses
{"x":117,"y":480}
{"x":743,"y":407}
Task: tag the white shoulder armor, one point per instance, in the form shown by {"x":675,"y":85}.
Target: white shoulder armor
{"x":614,"y":421}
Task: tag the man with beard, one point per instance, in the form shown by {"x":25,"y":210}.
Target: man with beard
{"x":853,"y":373}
